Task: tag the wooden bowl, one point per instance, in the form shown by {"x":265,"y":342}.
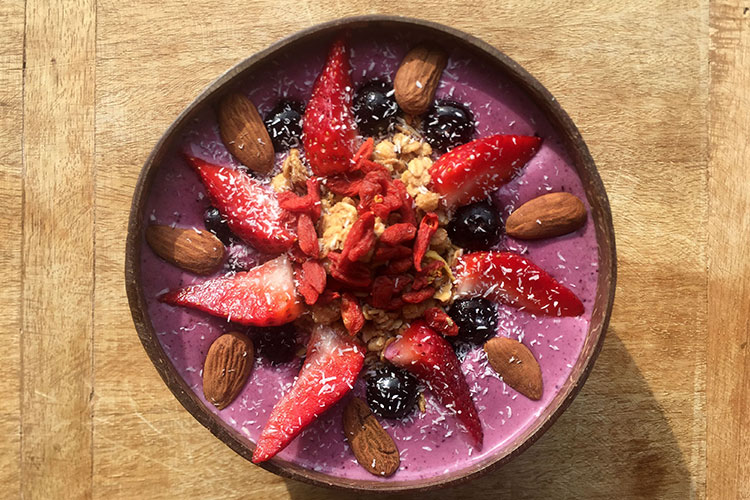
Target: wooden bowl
{"x":577,"y":151}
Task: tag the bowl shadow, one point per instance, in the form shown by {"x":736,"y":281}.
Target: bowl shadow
{"x":614,"y":441}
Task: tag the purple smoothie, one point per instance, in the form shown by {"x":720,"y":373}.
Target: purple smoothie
{"x":430,"y":443}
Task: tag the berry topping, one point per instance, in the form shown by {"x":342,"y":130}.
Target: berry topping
{"x":391,"y":393}
{"x":475,"y":227}
{"x":251,"y":210}
{"x":277,"y":344}
{"x":284,"y":124}
{"x":330,"y":369}
{"x":472,"y":171}
{"x":374,"y":107}
{"x":329,"y":130}
{"x":515,"y":280}
{"x":217,"y":224}
{"x":262,"y":296}
{"x":476,"y":319}
{"x":448,"y":124}
{"x":426,"y":354}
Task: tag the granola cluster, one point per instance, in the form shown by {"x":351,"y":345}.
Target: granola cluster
{"x":401,"y":291}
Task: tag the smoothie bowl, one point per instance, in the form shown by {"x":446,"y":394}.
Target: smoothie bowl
{"x":376,"y":255}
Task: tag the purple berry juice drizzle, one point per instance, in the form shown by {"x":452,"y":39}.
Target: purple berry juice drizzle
{"x":431,"y":443}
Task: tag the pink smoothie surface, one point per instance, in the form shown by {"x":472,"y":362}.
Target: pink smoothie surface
{"x":430,"y":443}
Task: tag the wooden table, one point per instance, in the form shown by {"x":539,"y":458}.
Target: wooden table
{"x":661,"y":93}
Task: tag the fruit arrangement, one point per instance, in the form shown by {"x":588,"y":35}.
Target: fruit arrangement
{"x":381,"y":243}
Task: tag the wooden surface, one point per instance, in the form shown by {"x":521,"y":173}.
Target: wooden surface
{"x":661,"y":93}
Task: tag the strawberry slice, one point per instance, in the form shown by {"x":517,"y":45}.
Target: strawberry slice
{"x":430,"y":357}
{"x":509,"y":278}
{"x":332,"y":366}
{"x":329,"y":132}
{"x":473,"y":170}
{"x":252,"y":211}
{"x":262,"y":296}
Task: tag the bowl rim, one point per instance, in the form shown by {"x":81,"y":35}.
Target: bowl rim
{"x":584,"y":164}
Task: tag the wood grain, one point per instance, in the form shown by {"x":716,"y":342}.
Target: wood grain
{"x":58,"y":249}
{"x":11,"y":228}
{"x":729,"y":253}
{"x":102,"y":82}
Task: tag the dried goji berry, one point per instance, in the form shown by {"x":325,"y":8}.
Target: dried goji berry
{"x":307,"y":237}
{"x":304,"y":288}
{"x":427,"y":228}
{"x":440,"y":321}
{"x":328,"y":296}
{"x":361,"y":238}
{"x":384,"y":253}
{"x":406,"y":210}
{"x":364,"y":152}
{"x":417,"y":296}
{"x":351,"y":313}
{"x":315,"y":274}
{"x":349,"y":274}
{"x":345,"y":184}
{"x":313,"y":193}
{"x":294,"y":202}
{"x":398,"y":266}
{"x":382,"y":292}
{"x":367,"y":166}
{"x":398,"y":234}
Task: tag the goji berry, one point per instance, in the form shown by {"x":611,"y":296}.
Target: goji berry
{"x":344,"y":185}
{"x":313,"y":193}
{"x":294,"y":202}
{"x":364,"y":152}
{"x":440,"y":321}
{"x":406,"y":210}
{"x":367,"y":166}
{"x":398,"y":266}
{"x":427,"y":228}
{"x":315,"y":274}
{"x":351,"y":314}
{"x":398,"y":234}
{"x":328,"y":296}
{"x":361,"y":238}
{"x":417,"y":296}
{"x":304,"y":288}
{"x":349,"y":274}
{"x":307,"y":237}
{"x":385,"y":253}
{"x":382,"y":292}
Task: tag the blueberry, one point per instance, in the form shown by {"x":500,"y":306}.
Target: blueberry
{"x":475,"y":227}
{"x":476,"y":319}
{"x":448,"y":124}
{"x":217,"y":224}
{"x":391,"y":393}
{"x":278,"y":344}
{"x":284,"y":124}
{"x":374,"y":107}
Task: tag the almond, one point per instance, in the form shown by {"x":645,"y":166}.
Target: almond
{"x":547,"y":216}
{"x":372,"y":445}
{"x":417,"y":78}
{"x":196,"y":251}
{"x":228,"y":364}
{"x":516,"y":365}
{"x":244,"y":133}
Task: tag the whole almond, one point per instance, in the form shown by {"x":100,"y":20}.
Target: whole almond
{"x":196,"y":251}
{"x":516,"y":365}
{"x":547,"y":216}
{"x":417,"y":78}
{"x":372,"y":445}
{"x":244,"y":133}
{"x":227,"y":366}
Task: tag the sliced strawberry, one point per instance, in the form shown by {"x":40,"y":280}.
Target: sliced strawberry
{"x":509,"y":278}
{"x":252,"y":211}
{"x":430,"y":357}
{"x":262,"y":296}
{"x":329,"y":132}
{"x":473,"y":170}
{"x":330,"y":370}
